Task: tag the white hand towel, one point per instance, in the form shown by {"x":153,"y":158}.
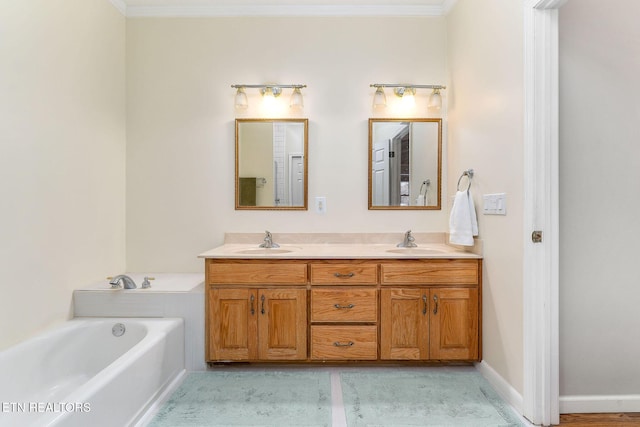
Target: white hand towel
{"x":463,"y":224}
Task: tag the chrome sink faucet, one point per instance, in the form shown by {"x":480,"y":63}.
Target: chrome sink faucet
{"x":127,"y":282}
{"x":408,"y":242}
{"x":268,"y":241}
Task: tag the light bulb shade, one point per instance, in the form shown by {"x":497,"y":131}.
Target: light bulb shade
{"x":241,"y":99}
{"x":379,"y":99}
{"x":408,"y":97}
{"x":268,"y":98}
{"x":296,"y":101}
{"x":435,"y":100}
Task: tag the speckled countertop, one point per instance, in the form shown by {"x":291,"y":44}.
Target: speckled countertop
{"x":341,"y":246}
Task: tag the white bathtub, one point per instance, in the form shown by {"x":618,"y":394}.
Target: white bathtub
{"x":80,"y":374}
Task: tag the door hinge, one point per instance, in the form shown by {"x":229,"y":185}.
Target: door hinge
{"x":536,"y":236}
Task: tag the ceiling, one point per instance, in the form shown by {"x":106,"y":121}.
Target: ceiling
{"x":283,"y":7}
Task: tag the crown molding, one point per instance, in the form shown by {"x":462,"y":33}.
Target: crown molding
{"x":281,"y":10}
{"x":120,"y":5}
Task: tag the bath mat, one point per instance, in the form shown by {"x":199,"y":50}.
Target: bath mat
{"x":402,"y":397}
{"x":256,"y":398}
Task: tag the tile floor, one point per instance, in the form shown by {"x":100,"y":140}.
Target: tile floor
{"x":337,"y":397}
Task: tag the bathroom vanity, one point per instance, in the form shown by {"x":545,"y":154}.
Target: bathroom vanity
{"x":337,"y":301}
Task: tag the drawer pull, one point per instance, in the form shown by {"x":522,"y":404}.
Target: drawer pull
{"x":262,"y":298}
{"x":253,"y":310}
{"x":344,"y":276}
{"x":435,"y":299}
{"x":338,"y":306}
{"x":424,"y":300}
{"x":340,"y":344}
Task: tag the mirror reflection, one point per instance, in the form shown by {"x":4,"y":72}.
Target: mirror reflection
{"x":271,"y":164}
{"x":405,"y":163}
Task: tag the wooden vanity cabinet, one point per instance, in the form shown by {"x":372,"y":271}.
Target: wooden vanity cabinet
{"x":430,"y":310}
{"x":248,"y":320}
{"x":258,"y":324}
{"x":344,"y":310}
{"x":429,"y":324}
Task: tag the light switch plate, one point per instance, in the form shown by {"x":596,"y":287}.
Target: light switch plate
{"x":494,"y":204}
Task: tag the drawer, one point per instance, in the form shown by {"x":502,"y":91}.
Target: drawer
{"x":430,"y":272}
{"x":344,"y":342}
{"x":354,"y":273}
{"x":344,"y":305}
{"x":260,"y":273}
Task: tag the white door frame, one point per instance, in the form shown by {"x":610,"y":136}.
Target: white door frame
{"x":541,"y":212}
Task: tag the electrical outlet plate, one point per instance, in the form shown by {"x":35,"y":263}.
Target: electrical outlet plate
{"x":321,"y":204}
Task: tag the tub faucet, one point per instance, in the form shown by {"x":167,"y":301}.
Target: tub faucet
{"x":126,"y":281}
{"x":268,"y":241}
{"x":408,"y":242}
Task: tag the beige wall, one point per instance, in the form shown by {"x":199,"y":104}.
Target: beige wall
{"x":64,"y":121}
{"x":180,"y":123}
{"x":599,"y":176}
{"x":62,"y":156}
{"x":485,"y":48}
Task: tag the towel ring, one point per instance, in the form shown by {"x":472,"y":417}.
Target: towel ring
{"x":469,"y":175}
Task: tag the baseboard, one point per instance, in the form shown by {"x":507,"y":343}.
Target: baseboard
{"x":599,"y":404}
{"x":501,"y":386}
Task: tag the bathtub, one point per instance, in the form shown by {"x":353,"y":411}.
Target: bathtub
{"x":81,"y":374}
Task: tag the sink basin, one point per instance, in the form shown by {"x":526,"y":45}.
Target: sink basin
{"x":416,"y":251}
{"x":264,"y":251}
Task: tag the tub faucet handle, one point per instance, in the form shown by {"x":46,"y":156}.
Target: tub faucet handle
{"x":145,"y":283}
{"x":113,"y":285}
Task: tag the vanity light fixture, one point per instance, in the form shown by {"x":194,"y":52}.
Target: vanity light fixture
{"x":407,"y":93}
{"x":269,"y":92}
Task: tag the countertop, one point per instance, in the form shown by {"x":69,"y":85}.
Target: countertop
{"x":341,"y":246}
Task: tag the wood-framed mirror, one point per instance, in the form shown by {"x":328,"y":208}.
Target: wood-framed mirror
{"x":405,"y":163}
{"x":271,"y":164}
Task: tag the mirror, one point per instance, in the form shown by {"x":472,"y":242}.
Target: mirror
{"x":271,"y":164}
{"x":405,"y":163}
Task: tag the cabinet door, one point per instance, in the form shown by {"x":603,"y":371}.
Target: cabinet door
{"x":282,"y":324}
{"x":233,"y":324}
{"x":404,"y":324}
{"x":454,"y":324}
